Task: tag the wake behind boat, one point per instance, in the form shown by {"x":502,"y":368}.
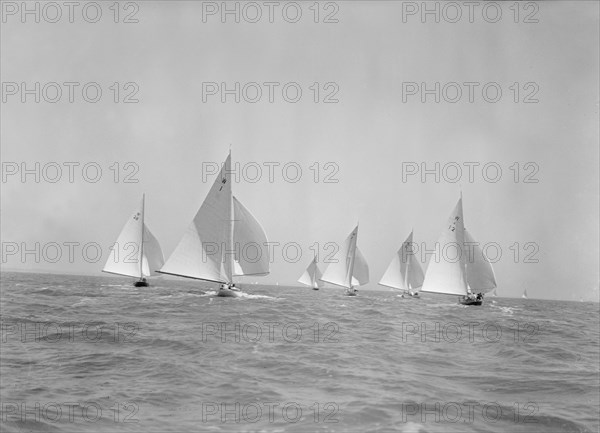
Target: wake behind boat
{"x":136,"y":252}
{"x":350,"y":268}
{"x":469,"y":277}
{"x":214,"y":246}
{"x":404,"y":271}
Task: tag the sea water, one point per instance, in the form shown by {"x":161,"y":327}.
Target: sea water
{"x":86,"y":354}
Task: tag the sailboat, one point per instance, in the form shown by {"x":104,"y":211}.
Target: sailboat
{"x":137,"y":252}
{"x":224,"y":240}
{"x":494,"y":293}
{"x":404,"y":271}
{"x":469,"y":276}
{"x":524,"y":295}
{"x":350,"y":268}
{"x":312,"y":275}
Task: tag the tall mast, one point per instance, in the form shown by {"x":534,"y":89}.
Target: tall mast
{"x":314,"y":278}
{"x":462,"y":245}
{"x":406,"y":269}
{"x":230,"y":245}
{"x":142,"y":245}
{"x":352,"y":256}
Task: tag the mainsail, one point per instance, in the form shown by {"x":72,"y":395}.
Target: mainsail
{"x":480,"y":274}
{"x":446,"y":274}
{"x":223,"y":240}
{"x":312,"y":275}
{"x":524,"y":296}
{"x":136,"y":252}
{"x":404,"y":272}
{"x":350,"y":268}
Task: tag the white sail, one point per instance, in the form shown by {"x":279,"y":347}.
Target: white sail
{"x":494,"y":293}
{"x":524,"y":296}
{"x":446,"y":270}
{"x":153,"y":258}
{"x":125,"y":257}
{"x":224,"y":239}
{"x":312,"y":275}
{"x":404,"y":272}
{"x":360,"y":274}
{"x":250,"y":243}
{"x":341,"y":271}
{"x":204,"y":250}
{"x":136,"y":252}
{"x":480,"y":274}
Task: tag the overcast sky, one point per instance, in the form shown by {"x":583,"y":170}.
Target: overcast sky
{"x":375,"y":131}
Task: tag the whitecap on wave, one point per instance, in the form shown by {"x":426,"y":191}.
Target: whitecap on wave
{"x":241,"y":295}
{"x":244,"y":295}
{"x":507,"y":310}
{"x":84,"y":301}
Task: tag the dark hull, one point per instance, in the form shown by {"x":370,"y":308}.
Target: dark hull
{"x":141,"y":284}
{"x":470,"y":301}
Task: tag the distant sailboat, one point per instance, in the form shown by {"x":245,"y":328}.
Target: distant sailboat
{"x":524,"y":295}
{"x":494,"y":294}
{"x":137,"y":253}
{"x":312,"y":275}
{"x":224,"y":240}
{"x":404,"y":272}
{"x":350,"y":269}
{"x":469,"y":276}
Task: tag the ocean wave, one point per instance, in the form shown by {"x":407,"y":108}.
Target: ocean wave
{"x":179,"y":347}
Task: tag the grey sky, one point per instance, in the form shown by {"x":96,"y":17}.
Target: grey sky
{"x":368,"y":134}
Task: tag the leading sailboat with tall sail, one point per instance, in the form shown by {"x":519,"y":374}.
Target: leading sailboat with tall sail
{"x":136,"y":252}
{"x":467,"y":273}
{"x":349,"y":269}
{"x":404,"y":271}
{"x":223,"y":241}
